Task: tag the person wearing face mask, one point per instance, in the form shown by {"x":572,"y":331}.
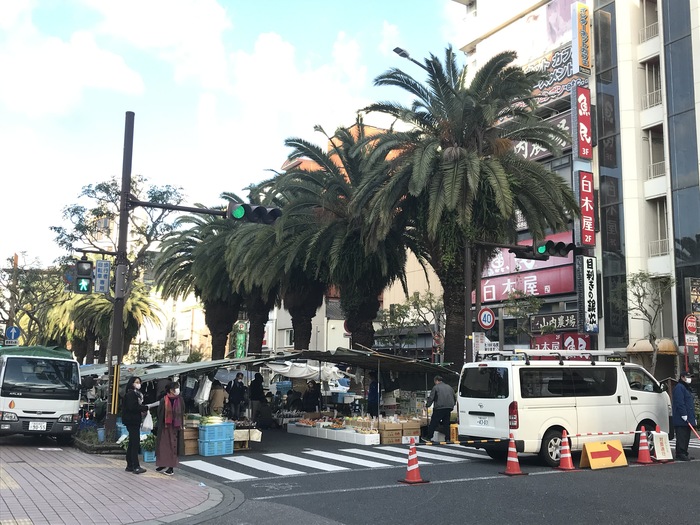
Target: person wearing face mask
{"x":170,"y":440}
{"x":133,"y":411}
{"x":236,"y":396}
{"x":683,"y":415}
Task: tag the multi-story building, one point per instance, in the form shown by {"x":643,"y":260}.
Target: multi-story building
{"x":645,"y":164}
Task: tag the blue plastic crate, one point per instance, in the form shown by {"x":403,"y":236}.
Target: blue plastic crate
{"x":216,"y":432}
{"x":219,"y":447}
{"x":149,"y":456}
{"x":121,"y":430}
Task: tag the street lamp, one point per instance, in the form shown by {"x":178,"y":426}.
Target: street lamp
{"x":404,"y":54}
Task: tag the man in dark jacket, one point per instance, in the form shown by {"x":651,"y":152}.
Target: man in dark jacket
{"x":236,"y":396}
{"x":133,"y":411}
{"x":683,"y":415}
{"x":256,"y":394}
{"x":442,"y":397}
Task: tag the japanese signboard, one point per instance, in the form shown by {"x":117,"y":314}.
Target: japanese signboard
{"x":535,"y":152}
{"x":584,"y":227}
{"x":582,"y":136}
{"x":560,"y":80}
{"x":581,"y":38}
{"x":587,"y":287}
{"x":102,"y":276}
{"x":564,"y":341}
{"x":558,"y":322}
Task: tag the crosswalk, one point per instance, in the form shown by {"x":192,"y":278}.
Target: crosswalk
{"x":244,"y":467}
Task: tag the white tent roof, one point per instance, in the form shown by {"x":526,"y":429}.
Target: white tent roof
{"x":306,"y":370}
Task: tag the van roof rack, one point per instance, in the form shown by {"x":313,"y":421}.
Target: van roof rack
{"x":526,"y":354}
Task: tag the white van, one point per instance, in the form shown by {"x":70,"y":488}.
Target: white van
{"x":535,"y":400}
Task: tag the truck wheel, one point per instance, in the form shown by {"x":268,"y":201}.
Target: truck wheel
{"x":550,"y":450}
{"x":649,"y":427}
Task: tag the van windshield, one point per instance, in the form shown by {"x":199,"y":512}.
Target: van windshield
{"x":484,"y":382}
{"x":40,"y":378}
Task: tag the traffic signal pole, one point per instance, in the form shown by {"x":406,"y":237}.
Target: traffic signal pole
{"x":114,"y":358}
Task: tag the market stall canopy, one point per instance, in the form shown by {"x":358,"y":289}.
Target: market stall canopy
{"x":154,"y":371}
{"x":37,"y":351}
{"x":413,"y":374}
{"x":306,"y":370}
{"x":643,"y":346}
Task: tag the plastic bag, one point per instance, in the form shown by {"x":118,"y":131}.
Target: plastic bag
{"x":147,"y":424}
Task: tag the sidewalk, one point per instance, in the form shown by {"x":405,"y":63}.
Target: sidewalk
{"x":42,"y":484}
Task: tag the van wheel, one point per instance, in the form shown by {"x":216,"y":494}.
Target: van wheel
{"x":497,"y":454}
{"x":64,"y":441}
{"x":649,"y":427}
{"x":550,"y":451}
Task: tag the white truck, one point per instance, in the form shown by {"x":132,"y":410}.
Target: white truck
{"x":39,"y":393}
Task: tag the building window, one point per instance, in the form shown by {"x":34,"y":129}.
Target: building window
{"x":289,"y":338}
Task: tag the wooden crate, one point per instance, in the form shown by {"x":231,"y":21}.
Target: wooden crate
{"x":241,"y":445}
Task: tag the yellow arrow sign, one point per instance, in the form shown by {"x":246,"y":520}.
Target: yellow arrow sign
{"x":604,"y":454}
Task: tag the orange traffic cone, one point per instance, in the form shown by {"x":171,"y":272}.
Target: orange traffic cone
{"x":412,"y":473}
{"x":643,"y":456}
{"x":565,"y":463}
{"x":512,"y":464}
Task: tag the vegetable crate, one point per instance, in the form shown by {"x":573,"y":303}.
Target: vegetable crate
{"x":218,"y":447}
{"x":216,"y":432}
{"x":149,"y":456}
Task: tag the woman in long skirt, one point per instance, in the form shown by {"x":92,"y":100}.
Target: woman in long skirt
{"x":170,"y":441}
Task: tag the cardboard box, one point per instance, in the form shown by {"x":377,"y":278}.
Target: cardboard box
{"x":191,"y":447}
{"x":241,"y":435}
{"x":411,"y":432}
{"x":406,"y":440}
{"x":190,"y":433}
{"x":390,"y":426}
{"x":411,"y":425}
{"x":390,"y":440}
{"x":390,"y":433}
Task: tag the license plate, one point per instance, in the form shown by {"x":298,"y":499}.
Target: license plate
{"x":482,"y":421}
{"x":37,"y":425}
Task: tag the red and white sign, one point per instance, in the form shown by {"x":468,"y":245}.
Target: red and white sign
{"x":582,"y":133}
{"x":549,"y":281}
{"x":691,"y":324}
{"x":487,"y":319}
{"x":563,"y":341}
{"x":586,"y":224}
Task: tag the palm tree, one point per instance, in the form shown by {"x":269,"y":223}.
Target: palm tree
{"x":455,"y":175}
{"x":192,"y":261}
{"x":327,"y":236}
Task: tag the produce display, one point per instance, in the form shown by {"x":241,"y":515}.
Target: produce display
{"x":212,"y":420}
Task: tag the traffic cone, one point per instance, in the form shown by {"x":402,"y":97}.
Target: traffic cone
{"x":512,"y":464}
{"x":643,"y":456}
{"x":412,"y":472}
{"x":565,"y":463}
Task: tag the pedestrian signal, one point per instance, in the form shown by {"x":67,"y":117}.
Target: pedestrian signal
{"x":83,"y":276}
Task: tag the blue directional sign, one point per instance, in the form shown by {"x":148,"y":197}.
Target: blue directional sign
{"x":12,"y":333}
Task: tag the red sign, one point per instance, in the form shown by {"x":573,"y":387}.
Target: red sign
{"x":562,"y":341}
{"x":550,"y":281}
{"x":583,"y":134}
{"x":585,"y":202}
{"x":691,"y":324}
{"x":487,"y":319}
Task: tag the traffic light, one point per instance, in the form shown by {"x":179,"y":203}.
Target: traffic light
{"x":555,"y":249}
{"x":252,"y":213}
{"x":83,"y":276}
{"x":528,"y":252}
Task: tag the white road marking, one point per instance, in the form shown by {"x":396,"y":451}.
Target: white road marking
{"x":216,"y":470}
{"x":345,"y":459}
{"x":266,"y":467}
{"x":379,"y":455}
{"x":422,"y":454}
{"x":306,"y":462}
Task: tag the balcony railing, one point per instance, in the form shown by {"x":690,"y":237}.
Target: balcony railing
{"x":648,"y":32}
{"x":659,"y":247}
{"x":656,"y":170}
{"x":651,"y":99}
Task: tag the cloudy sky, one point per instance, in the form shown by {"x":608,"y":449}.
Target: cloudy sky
{"x":216,"y":87}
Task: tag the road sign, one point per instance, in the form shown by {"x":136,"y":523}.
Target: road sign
{"x":486,"y":318}
{"x":603,"y":454}
{"x":102,"y":276}
{"x":691,"y":339}
{"x":11,"y":342}
{"x":691,"y":324}
{"x":12,"y":333}
{"x":662,"y":447}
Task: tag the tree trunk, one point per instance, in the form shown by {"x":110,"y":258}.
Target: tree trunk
{"x":302,"y":306}
{"x":654,"y":354}
{"x":258,"y":309}
{"x":360,"y":311}
{"x":219,"y":317}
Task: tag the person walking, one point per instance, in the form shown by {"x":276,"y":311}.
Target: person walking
{"x":236,"y":396}
{"x":170,"y":440}
{"x":256,"y":394}
{"x":442,"y":398}
{"x":373,"y":395}
{"x":133,"y":411}
{"x":683,"y":415}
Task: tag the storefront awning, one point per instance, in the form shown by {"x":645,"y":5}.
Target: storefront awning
{"x":643,"y":346}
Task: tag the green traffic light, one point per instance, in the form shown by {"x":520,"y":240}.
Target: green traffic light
{"x":84,"y":285}
{"x":542,"y":249}
{"x":238,"y":213}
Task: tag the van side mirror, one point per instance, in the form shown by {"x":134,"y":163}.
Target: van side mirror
{"x":664,"y":387}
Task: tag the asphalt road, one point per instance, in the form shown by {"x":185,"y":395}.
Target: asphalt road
{"x":468,"y":490}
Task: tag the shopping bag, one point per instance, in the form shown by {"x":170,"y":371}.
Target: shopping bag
{"x":147,"y":424}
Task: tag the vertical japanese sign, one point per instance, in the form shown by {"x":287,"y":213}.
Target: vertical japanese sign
{"x":582,"y":132}
{"x":102,"y":275}
{"x":584,"y":228}
{"x":586,"y":275}
{"x":581,"y":39}
{"x":241,"y":337}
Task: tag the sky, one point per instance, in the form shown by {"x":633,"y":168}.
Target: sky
{"x":216,"y":88}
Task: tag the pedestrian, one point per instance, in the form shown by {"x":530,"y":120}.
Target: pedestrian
{"x":256,"y":394}
{"x":133,"y":412}
{"x":217,"y":398}
{"x":373,"y":395}
{"x":442,"y":398}
{"x":170,"y":441}
{"x":236,"y":396}
{"x":311,"y":399}
{"x":683,"y":415}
